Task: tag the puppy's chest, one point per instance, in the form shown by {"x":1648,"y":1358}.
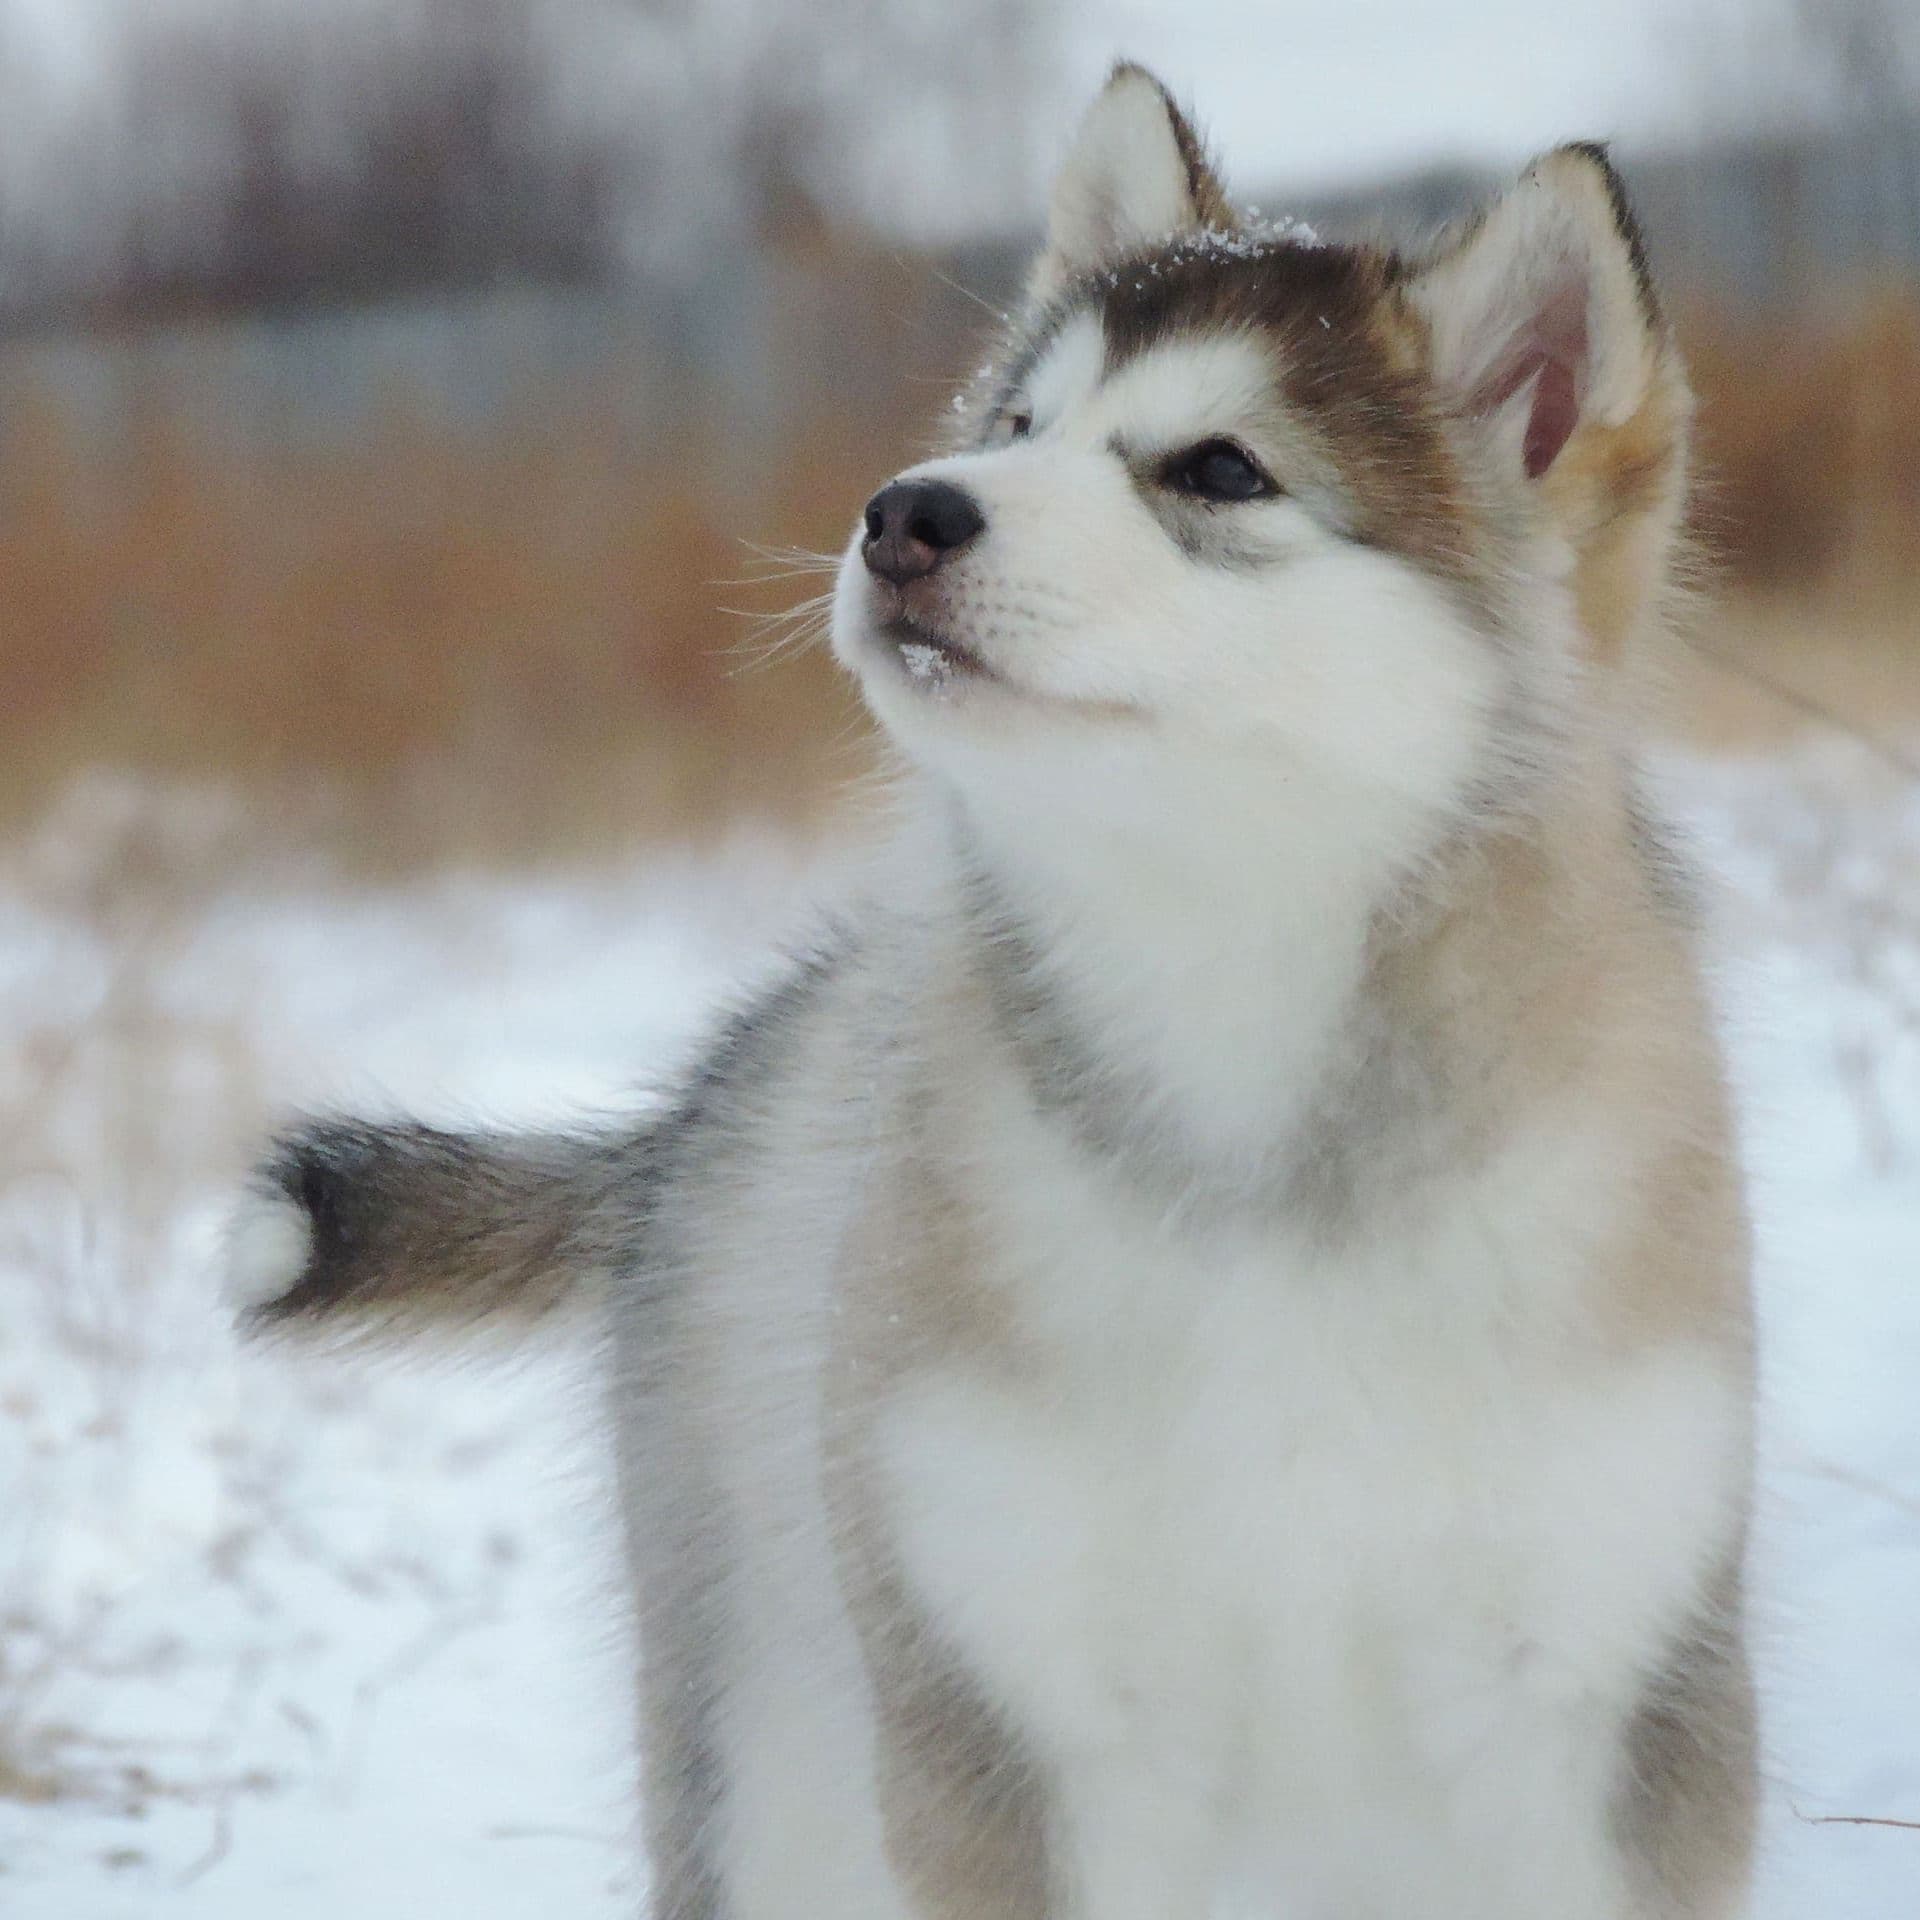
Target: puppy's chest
{"x":1287,"y":1522}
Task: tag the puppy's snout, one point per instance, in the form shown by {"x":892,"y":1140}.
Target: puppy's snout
{"x":914,"y":526}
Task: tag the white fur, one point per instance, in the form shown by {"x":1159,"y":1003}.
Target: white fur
{"x":1329,"y":660}
{"x":267,"y":1249}
{"x":1197,"y":780}
{"x":1323,"y":1586}
{"x":1123,"y":181}
{"x":1320,"y":1585}
{"x":1316,"y":1565}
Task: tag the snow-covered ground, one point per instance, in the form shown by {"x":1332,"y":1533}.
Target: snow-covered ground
{"x":301,"y":1635}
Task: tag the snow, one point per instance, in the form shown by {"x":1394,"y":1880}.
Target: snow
{"x":285,"y":1632}
{"x":1820,"y":924}
{"x":928,"y":664}
{"x":1253,"y":241}
{"x":304,"y":1633}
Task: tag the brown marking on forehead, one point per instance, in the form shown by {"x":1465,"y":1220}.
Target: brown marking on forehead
{"x":1349,"y":361}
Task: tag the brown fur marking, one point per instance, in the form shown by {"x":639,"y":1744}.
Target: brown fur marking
{"x":1687,"y":1809}
{"x":961,"y":1801}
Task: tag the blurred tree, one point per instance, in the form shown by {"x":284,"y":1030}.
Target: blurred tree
{"x":914,"y":115}
{"x":249,"y":151}
{"x":1869,"y":54}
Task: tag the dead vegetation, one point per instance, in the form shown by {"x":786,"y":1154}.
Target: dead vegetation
{"x":147,"y":1456}
{"x":1810,"y":441}
{"x":503,"y":646}
{"x":421,"y":640}
{"x":1809,"y":508}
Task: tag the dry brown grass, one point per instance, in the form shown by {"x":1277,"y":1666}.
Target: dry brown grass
{"x":1809,"y":507}
{"x":502,"y":645}
{"x":1810,"y":444}
{"x":506,"y":642}
{"x":1769,"y":665}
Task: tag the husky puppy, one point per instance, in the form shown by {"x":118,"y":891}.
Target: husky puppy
{"x":1193,"y":1361}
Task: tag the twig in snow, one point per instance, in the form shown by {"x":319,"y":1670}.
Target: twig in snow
{"x":1855,"y":1820}
{"x":557,"y":1833}
{"x":1885,"y":751}
{"x":437,"y":1636}
{"x":222,"y":1842}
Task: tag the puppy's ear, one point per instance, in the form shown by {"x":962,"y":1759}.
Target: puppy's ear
{"x":1136,"y":171}
{"x":1540,"y":314}
{"x":1545,"y":337}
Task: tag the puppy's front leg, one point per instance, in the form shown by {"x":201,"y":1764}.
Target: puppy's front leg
{"x":963,"y":1805}
{"x":1129,"y":1843}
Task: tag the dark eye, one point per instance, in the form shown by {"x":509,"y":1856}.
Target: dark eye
{"x":1218,"y":470}
{"x":1019,"y":423}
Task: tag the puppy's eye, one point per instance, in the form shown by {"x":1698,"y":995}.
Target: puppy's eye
{"x":1009,"y":424}
{"x":1219,"y":470}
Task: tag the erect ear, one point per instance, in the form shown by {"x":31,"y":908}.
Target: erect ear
{"x":1541,"y":315}
{"x":1136,"y":171}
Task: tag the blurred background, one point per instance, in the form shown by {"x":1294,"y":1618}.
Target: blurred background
{"x":418,"y":423}
{"x":392,"y":392}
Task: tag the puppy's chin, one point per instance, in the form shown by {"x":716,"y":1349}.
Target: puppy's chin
{"x":923,"y":675}
{"x":899,"y":648}
{"x":931,"y":659}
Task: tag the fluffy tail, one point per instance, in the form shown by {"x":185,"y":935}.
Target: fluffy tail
{"x":408,"y":1223}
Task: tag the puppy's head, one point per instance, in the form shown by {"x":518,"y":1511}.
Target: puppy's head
{"x":1354,"y":520}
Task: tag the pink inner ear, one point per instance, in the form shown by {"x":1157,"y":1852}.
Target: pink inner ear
{"x":1551,"y":353}
{"x":1554,"y":415}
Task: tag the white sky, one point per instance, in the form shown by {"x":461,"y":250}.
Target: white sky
{"x":1309,"y":92}
{"x":1315,"y":90}
{"x":1296,"y":94}
{"x":1300,"y":95}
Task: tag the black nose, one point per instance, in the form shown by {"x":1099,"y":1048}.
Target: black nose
{"x":913,"y":525}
